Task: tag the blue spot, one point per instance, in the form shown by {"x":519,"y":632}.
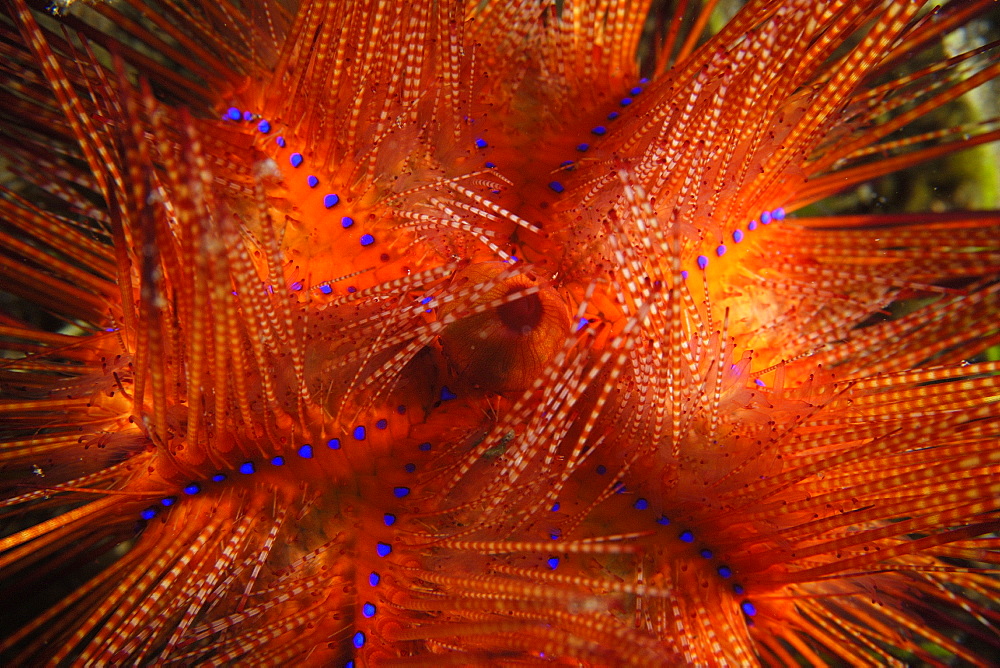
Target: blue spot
{"x":192,"y":489}
{"x":725,"y":571}
{"x":374,"y":579}
{"x":635,"y":91}
{"x":702,"y":261}
{"x":331,"y":200}
{"x":280,"y":141}
{"x":553,"y":562}
{"x":644,"y":80}
{"x":684,"y":275}
{"x":706,"y":554}
{"x":581,"y":323}
{"x":582,"y":148}
{"x":663,"y":519}
{"x":491,"y":165}
{"x":168,"y":501}
{"x":382,"y":424}
{"x":738,"y":589}
{"x":359,"y":639}
{"x":613,"y":115}
{"x":765,"y":218}
{"x":619,"y":487}
{"x":389,"y":519}
{"x":246,"y":468}
{"x":554,"y":535}
{"x":312,"y":181}
{"x":566,"y":163}
{"x":400,"y":492}
{"x":601,"y":469}
{"x":233,"y":114}
{"x":598,"y":130}
{"x":219,"y":477}
{"x":367,"y":240}
{"x":641,"y":504}
{"x":759,"y":383}
{"x":410,"y":468}
{"x":383,"y":549}
{"x":555,"y":507}
{"x":481,"y":143}
{"x":368,"y":610}
{"x":748,"y":608}
{"x":426,"y":300}
{"x":556,"y":187}
{"x":247,"y":115}
{"x":295,"y":159}
{"x":296,"y":286}
{"x":278,"y":461}
{"x":264,"y":127}
{"x":346,"y":222}
{"x":752,"y":225}
{"x":148,"y":513}
{"x":360,"y":432}
{"x":401,"y":410}
{"x":737,"y":236}
{"x":778,"y":214}
{"x":687,"y":537}
{"x":351,"y":289}
{"x":424,"y":447}
{"x":721,"y":250}
{"x":333,"y":444}
{"x":325,"y":289}
{"x":625,"y":101}
{"x":446,"y":394}
{"x":306,"y":451}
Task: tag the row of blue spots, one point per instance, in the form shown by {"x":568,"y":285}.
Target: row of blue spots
{"x":765,"y":219}
{"x":296,"y":160}
{"x":304,"y":451}
{"x":598,"y":131}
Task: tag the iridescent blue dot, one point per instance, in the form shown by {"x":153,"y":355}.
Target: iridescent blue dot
{"x":374,"y":579}
{"x":219,"y":477}
{"x":367,"y":240}
{"x":738,"y":589}
{"x":601,"y":469}
{"x":360,"y":433}
{"x":382,"y":424}
{"x":424,"y":447}
{"x":401,"y":410}
{"x":306,"y":451}
{"x":264,"y":127}
{"x":663,"y":519}
{"x":325,"y":289}
{"x":280,"y":141}
{"x":687,"y":537}
{"x":641,"y":504}
{"x":619,"y":487}
{"x":333,"y":444}
{"x":446,"y":394}
{"x":635,"y":91}
{"x":383,"y":549}
{"x":368,"y":610}
{"x":192,"y":489}
{"x":778,"y":214}
{"x":554,"y":535}
{"x":759,"y":383}
{"x":410,"y":468}
{"x":720,"y":250}
{"x":400,"y":492}
{"x":556,"y":187}
{"x":684,"y":275}
{"x":278,"y":461}
{"x":246,"y":468}
{"x":737,"y":236}
{"x":553,"y":562}
{"x":613,"y":115}
{"x":702,"y":261}
{"x":346,"y":222}
{"x":234,"y":114}
{"x":330,"y":200}
{"x":297,"y":286}
{"x":752,"y":225}
{"x":582,"y":148}
{"x":312,"y":181}
{"x":168,"y":501}
{"x":625,"y":101}
{"x":706,"y":554}
{"x":148,"y":513}
{"x":295,"y":159}
{"x":359,"y":639}
{"x":389,"y":519}
{"x":247,"y":115}
{"x":725,"y":571}
{"x":555,"y":507}
{"x":566,"y":163}
{"x":481,"y":143}
{"x":598,"y":130}
{"x":748,"y":608}
{"x":765,"y":218}
{"x":351,"y":289}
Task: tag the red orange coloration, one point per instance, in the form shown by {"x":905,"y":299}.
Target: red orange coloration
{"x":435,"y":333}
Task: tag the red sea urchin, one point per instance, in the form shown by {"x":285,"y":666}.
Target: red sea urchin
{"x":434,"y":333}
